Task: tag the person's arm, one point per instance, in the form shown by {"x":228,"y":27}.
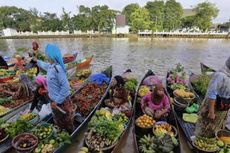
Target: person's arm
{"x":64,"y":85}
{"x":212,"y":93}
{"x":43,"y":65}
{"x":144,"y":100}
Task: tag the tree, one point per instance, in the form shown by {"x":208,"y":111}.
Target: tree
{"x":188,"y":21}
{"x":172,"y":14}
{"x":156,"y":11}
{"x":128,"y":10}
{"x":50,"y":22}
{"x":205,"y":12}
{"x":66,"y":21}
{"x":140,"y":20}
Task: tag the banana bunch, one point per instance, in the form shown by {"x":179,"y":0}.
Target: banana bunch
{"x":146,"y":144}
{"x":104,"y":112}
{"x":3,"y":110}
{"x":143,"y":91}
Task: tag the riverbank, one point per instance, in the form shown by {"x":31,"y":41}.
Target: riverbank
{"x":140,"y":35}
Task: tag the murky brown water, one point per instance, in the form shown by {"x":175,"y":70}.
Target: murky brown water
{"x":137,"y":54}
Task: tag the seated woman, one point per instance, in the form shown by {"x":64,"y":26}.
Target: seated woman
{"x":20,"y":64}
{"x":40,"y":94}
{"x":156,"y":103}
{"x":118,"y":95}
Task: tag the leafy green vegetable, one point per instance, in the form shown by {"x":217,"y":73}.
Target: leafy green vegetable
{"x":201,"y":84}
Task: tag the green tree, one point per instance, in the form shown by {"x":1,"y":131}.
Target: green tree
{"x":156,"y":11}
{"x":188,"y":21}
{"x":66,"y":21}
{"x":50,"y":22}
{"x":173,"y":14}
{"x":128,"y":10}
{"x":140,"y":20}
{"x":205,"y":12}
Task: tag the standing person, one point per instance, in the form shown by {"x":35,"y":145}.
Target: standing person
{"x":58,"y":87}
{"x":3,"y":64}
{"x":214,"y":109}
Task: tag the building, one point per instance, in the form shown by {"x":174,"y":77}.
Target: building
{"x":9,"y":32}
{"x":188,"y":12}
{"x":120,"y":26}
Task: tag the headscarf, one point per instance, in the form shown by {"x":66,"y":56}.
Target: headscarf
{"x":35,"y":45}
{"x":41,"y":80}
{"x":155,"y":97}
{"x":120,"y":81}
{"x":54,"y":53}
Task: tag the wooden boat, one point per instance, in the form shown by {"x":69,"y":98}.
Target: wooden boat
{"x":114,"y":147}
{"x":138,"y":132}
{"x":80,"y":119}
{"x":187,"y":128}
{"x":205,"y":68}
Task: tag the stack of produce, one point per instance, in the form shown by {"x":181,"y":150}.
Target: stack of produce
{"x":3,"y":110}
{"x":88,"y":97}
{"x":105,"y":129}
{"x":183,"y":94}
{"x":176,"y":78}
{"x":201,"y":84}
{"x":131,"y":84}
{"x":27,"y":116}
{"x":143,"y":90}
{"x":43,"y":131}
{"x":145,"y":121}
{"x":83,"y":74}
{"x":162,"y":129}
{"x":153,"y":144}
{"x":206,"y":144}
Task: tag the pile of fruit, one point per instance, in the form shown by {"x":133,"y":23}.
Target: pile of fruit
{"x":49,"y":145}
{"x":143,"y":90}
{"x":43,"y":131}
{"x":3,"y":110}
{"x":206,"y":144}
{"x":145,"y":121}
{"x":152,"y":144}
{"x":162,"y":129}
{"x":26,"y":141}
{"x":6,"y":73}
{"x":88,"y":97}
{"x":83,"y":74}
{"x":27,"y":116}
{"x":183,"y":94}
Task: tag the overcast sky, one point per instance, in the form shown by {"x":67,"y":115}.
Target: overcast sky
{"x":71,"y":5}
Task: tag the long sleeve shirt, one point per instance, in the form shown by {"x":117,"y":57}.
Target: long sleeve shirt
{"x":57,"y":82}
{"x":147,"y":101}
{"x":219,"y":85}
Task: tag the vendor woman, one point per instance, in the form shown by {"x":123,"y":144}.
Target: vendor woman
{"x":58,"y":88}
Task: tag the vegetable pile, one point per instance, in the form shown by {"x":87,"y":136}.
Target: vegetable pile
{"x":176,"y":78}
{"x":206,"y":144}
{"x":6,"y":73}
{"x":201,"y":84}
{"x":153,"y":144}
{"x":27,"y":116}
{"x":43,"y":131}
{"x":88,"y":98}
{"x":145,"y":121}
{"x":131,"y":84}
{"x":162,"y":129}
{"x":3,"y":110}
{"x":105,"y":129}
{"x":143,"y":90}
{"x":183,"y":94}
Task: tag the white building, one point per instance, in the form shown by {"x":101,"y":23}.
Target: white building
{"x":9,"y":32}
{"x":120,"y":27}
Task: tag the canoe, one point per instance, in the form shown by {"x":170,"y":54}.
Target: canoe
{"x":115,"y":146}
{"x":138,"y":132}
{"x":187,"y":127}
{"x":80,"y":119}
{"x":79,"y":64}
{"x":4,"y":147}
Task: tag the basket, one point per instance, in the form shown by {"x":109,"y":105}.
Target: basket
{"x":204,"y":151}
{"x":2,"y":140}
{"x":24,"y":150}
{"x":180,"y":104}
{"x":189,"y":100}
{"x":163,"y":122}
{"x":220,"y":133}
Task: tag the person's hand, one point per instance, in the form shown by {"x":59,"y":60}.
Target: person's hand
{"x":53,"y":105}
{"x":211,"y":115}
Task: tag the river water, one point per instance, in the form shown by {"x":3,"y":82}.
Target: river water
{"x":139,"y":54}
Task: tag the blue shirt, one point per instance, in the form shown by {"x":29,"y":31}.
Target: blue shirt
{"x":219,"y":85}
{"x":57,"y":82}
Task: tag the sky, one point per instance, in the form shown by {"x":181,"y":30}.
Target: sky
{"x":55,"y":6}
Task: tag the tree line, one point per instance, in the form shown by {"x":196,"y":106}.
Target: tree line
{"x":156,"y":15}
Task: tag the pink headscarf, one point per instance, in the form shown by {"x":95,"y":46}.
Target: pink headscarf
{"x":41,"y":80}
